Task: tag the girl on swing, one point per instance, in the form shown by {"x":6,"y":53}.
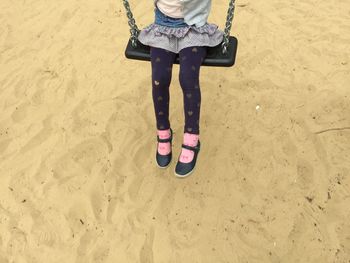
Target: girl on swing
{"x":180,"y":27}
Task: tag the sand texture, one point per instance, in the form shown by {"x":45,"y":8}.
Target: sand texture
{"x":78,"y":179}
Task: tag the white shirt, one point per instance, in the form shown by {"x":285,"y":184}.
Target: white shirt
{"x":171,"y":8}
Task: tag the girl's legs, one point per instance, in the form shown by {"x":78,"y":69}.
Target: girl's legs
{"x":162,"y":64}
{"x":190,"y":61}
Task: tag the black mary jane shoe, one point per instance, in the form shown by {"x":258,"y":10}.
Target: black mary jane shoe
{"x":163,"y":161}
{"x":185,"y":169}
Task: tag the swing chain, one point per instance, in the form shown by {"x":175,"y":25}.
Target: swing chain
{"x":134,"y":31}
{"x":229,"y":19}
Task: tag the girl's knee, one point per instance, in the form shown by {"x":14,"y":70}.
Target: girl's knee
{"x":188,"y":81}
{"x":161,"y":79}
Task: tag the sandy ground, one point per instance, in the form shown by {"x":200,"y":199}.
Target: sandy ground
{"x":78,"y":180}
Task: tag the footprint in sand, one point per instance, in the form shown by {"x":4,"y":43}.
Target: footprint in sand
{"x":49,"y":227}
{"x":305,"y":173}
{"x":75,"y":167}
{"x":98,"y":199}
{"x":298,"y":230}
{"x":184,"y":230}
{"x":17,"y":243}
{"x":86,"y":243}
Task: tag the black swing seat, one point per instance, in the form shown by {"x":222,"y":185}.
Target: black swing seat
{"x":214,"y":58}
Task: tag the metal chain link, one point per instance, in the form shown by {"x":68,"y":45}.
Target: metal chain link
{"x":134,"y":31}
{"x":229,"y":19}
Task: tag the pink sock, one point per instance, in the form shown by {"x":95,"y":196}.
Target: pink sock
{"x":190,"y":140}
{"x":164,"y":148}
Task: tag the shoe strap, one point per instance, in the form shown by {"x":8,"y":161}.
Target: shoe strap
{"x":164,"y":140}
{"x":192,"y":148}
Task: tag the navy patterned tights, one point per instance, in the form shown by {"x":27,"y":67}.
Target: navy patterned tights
{"x":162,"y":61}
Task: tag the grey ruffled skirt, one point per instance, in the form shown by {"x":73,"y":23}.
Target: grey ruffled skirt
{"x":175,"y":39}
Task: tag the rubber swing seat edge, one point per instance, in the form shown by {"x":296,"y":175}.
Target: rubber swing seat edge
{"x":214,"y":58}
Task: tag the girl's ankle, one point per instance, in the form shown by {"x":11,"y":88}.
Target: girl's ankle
{"x":164,"y":134}
{"x":190,"y":139}
{"x":164,"y":148}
